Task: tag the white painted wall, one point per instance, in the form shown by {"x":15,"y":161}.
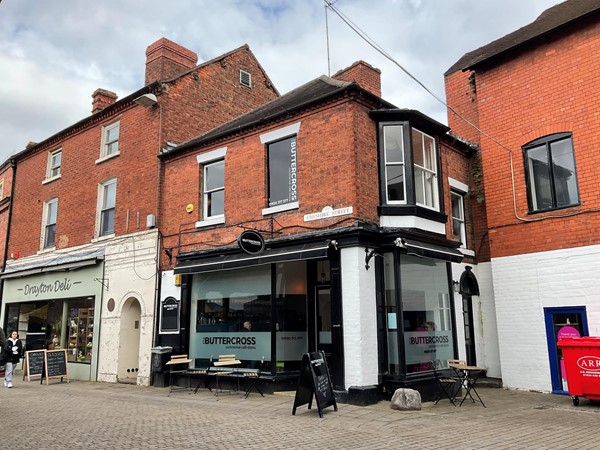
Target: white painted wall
{"x":523,"y":286}
{"x":359,"y":309}
{"x":130,"y":269}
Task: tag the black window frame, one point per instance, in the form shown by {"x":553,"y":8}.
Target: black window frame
{"x":293,"y":172}
{"x":410,"y":206}
{"x":547,"y":141}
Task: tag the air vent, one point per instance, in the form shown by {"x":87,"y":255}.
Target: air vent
{"x":245,"y":79}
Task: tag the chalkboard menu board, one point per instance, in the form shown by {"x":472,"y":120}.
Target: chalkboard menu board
{"x":314,"y":380}
{"x":55,"y":365}
{"x":34,"y":364}
{"x":169,"y":316}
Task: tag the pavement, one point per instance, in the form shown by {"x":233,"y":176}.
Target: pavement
{"x":94,"y":415}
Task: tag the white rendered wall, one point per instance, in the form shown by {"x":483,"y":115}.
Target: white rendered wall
{"x":359,"y":310}
{"x":484,"y":319}
{"x":129,"y":271}
{"x":523,"y":286}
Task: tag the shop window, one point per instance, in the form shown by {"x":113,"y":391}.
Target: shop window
{"x":222,"y":303}
{"x":49,"y":223}
{"x":291,"y":336}
{"x":54,"y":325}
{"x":550,"y":173}
{"x":426,"y":312}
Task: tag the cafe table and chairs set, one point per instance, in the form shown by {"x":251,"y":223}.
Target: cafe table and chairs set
{"x":464,"y":377}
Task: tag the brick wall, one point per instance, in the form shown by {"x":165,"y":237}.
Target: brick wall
{"x":552,"y":87}
{"x":190,"y":106}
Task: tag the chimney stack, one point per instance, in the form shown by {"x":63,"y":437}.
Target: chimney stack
{"x":363,"y":74}
{"x":165,"y":59}
{"x":102,"y":98}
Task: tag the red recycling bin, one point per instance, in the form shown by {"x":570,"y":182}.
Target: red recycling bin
{"x":582,"y":364}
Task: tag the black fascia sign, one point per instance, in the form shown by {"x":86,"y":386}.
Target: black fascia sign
{"x":251,"y":242}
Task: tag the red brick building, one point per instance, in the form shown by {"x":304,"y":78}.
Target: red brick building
{"x":86,"y":205}
{"x":533,"y":96}
{"x":324,"y":219}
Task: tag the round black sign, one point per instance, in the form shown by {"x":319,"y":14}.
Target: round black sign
{"x":251,"y":242}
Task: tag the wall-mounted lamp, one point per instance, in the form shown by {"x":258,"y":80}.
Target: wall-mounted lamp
{"x":456,"y":286}
{"x":146,"y":100}
{"x":368,"y":255}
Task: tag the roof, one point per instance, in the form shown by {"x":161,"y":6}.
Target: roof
{"x":154,"y":87}
{"x":308,"y":94}
{"x":550,"y":21}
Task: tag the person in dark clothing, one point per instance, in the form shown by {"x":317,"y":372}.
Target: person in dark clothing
{"x":12,"y":351}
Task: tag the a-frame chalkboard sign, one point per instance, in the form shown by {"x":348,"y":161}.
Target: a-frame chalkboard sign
{"x":314,"y":380}
{"x":55,"y":366}
{"x":34,"y":364}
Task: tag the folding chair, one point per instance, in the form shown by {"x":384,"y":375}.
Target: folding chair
{"x":253,"y":377}
{"x":447,"y":384}
{"x":176,"y":363}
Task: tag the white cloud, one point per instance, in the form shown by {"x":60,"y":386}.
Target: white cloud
{"x":53,"y":55}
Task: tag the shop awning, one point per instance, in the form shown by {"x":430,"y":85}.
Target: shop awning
{"x":269,"y":256}
{"x":427,"y":250}
{"x":56,"y":264}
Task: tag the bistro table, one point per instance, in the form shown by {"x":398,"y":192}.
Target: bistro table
{"x":468,"y":376}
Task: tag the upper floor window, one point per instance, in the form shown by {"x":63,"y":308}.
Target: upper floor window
{"x":550,"y":173}
{"x":54,"y":164}
{"x":458,"y":218}
{"x":425,"y":169}
{"x":110,"y":140}
{"x":1,"y":188}
{"x":409,"y":170}
{"x":107,"y":201}
{"x":214,"y":189}
{"x":394,"y":164}
{"x":213,"y":186}
{"x":49,"y":223}
{"x":282,"y":169}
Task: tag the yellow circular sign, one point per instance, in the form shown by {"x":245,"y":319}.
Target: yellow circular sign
{"x":189,"y":208}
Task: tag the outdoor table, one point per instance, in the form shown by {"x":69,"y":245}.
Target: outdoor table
{"x":468,"y":376}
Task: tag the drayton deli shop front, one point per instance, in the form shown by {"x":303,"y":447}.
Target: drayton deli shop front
{"x":54,"y":307}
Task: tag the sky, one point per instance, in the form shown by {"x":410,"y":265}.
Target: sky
{"x":55,"y":53}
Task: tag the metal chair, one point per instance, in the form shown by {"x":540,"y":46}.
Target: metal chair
{"x":447,"y":384}
{"x":253,"y":377}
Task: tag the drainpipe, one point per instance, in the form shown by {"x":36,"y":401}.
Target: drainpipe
{"x":13,"y":166}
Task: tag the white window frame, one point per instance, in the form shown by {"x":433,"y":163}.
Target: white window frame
{"x":105,"y":144}
{"x":1,"y":188}
{"x":47,"y":221}
{"x":460,"y":188}
{"x":204,"y":160}
{"x":101,"y":208}
{"x":427,"y":172}
{"x":53,"y":167}
{"x":390,"y":164}
{"x":271,"y":137}
{"x":460,"y":219}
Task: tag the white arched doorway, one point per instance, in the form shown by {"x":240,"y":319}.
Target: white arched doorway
{"x":129,"y":341}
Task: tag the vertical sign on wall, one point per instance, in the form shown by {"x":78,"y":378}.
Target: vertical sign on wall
{"x":169,"y":316}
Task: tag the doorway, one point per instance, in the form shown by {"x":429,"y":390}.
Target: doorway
{"x":562,"y":322}
{"x":129,"y":342}
{"x":467,"y":302}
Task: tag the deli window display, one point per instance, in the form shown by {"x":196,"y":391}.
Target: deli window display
{"x":81,"y":332}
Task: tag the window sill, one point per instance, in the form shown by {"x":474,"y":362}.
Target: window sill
{"x":466,"y":252}
{"x":46,"y":250}
{"x":105,"y":237}
{"x":280,"y":208}
{"x":212,"y":221}
{"x":50,"y":180}
{"x":107,"y":157}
